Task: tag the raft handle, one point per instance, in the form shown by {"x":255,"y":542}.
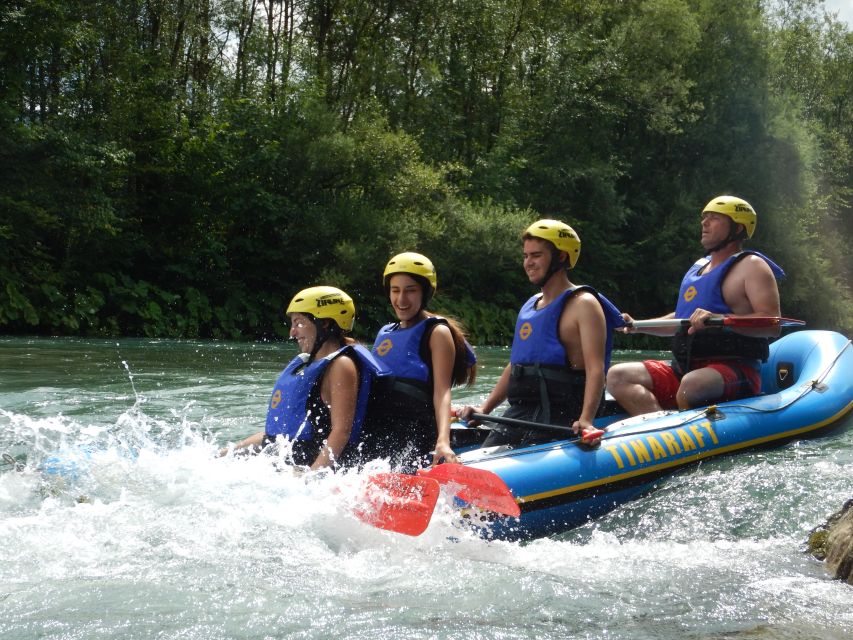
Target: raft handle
{"x":819,"y":386}
{"x":712,"y":412}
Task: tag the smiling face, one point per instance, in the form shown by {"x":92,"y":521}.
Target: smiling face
{"x":406,"y":296}
{"x":537,"y":259}
{"x":303,"y":330}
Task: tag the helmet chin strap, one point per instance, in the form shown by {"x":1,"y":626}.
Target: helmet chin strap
{"x":426,"y":291}
{"x":322,"y":335}
{"x":555,"y":266}
{"x":734,"y":234}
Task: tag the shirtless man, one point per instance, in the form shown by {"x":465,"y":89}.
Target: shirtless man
{"x":710,"y":364}
{"x":561,"y":346}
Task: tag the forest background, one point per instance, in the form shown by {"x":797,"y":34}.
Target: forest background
{"x":180,"y":168}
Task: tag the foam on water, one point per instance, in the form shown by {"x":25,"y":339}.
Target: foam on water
{"x":147,"y":534}
{"x":174,"y":541}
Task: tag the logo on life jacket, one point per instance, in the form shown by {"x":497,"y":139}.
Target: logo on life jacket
{"x":690,"y":293}
{"x":384,"y":347}
{"x":276,"y":399}
{"x":525,"y":330}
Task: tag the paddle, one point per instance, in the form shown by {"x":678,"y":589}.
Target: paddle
{"x":398,"y":502}
{"x":526,"y":424}
{"x":479,"y":487}
{"x":753,"y":322}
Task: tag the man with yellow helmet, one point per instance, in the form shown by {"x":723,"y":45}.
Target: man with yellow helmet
{"x":319,"y":401}
{"x":710,"y":364}
{"x":561,"y":347}
{"x":427,"y":355}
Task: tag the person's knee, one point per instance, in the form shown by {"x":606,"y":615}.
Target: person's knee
{"x":626,"y":374}
{"x":617,"y":377}
{"x":698,"y":388}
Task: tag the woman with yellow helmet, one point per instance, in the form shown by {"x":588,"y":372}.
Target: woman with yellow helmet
{"x":426,"y":354}
{"x":319,"y":401}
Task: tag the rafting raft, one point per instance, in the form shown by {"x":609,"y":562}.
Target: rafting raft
{"x":807,"y":387}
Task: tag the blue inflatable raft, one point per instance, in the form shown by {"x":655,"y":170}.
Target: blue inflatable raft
{"x":808,"y":389}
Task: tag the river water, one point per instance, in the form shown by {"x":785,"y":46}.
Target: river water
{"x":117,"y":521}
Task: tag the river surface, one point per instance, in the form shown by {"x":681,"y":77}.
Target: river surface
{"x":117,"y":521}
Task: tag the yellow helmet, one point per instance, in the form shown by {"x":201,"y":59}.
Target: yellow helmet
{"x":325,"y":302}
{"x":737,"y":209}
{"x":413,"y":264}
{"x":559,"y":234}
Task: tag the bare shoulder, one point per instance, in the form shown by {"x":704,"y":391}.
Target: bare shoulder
{"x":584,"y":302}
{"x":440,"y":329}
{"x":751,"y":288}
{"x":441,"y":337}
{"x":343,"y":369}
{"x":581,"y":314}
{"x":752,"y":265}
{"x":582,"y":330}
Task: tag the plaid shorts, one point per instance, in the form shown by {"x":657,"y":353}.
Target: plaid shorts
{"x":742,"y":379}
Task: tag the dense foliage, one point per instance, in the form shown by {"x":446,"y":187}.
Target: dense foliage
{"x":182,"y":167}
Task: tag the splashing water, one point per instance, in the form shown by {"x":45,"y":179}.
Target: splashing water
{"x":145,"y":533}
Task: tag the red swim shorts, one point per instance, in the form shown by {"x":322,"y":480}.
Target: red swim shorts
{"x":741,"y":379}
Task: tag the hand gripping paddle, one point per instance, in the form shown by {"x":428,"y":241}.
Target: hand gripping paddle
{"x":589,"y":436}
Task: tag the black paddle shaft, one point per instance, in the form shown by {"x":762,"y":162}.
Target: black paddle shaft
{"x":526,"y":424}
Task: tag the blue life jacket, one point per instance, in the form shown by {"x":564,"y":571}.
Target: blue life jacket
{"x":399,"y":349}
{"x":543,"y":386}
{"x":705,"y":291}
{"x":402,"y":350}
{"x":401,"y":425}
{"x":537,"y":339}
{"x":296,"y":409}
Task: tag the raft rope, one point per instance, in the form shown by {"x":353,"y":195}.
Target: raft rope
{"x":812,"y":385}
{"x":713,"y":409}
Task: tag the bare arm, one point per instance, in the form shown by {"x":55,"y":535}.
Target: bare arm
{"x":495,"y":398}
{"x":762,"y":294}
{"x":585,"y":313}
{"x":443,"y":357}
{"x":340,"y":391}
{"x":253,"y":441}
{"x":750,"y":290}
{"x":659,"y":331}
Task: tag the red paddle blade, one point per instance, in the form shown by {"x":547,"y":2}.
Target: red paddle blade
{"x":398,"y":502}
{"x":479,"y":487}
{"x":760,"y":321}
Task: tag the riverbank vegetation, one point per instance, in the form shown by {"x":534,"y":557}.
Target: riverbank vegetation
{"x":179,"y":168}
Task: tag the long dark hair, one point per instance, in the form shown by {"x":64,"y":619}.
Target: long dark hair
{"x":328,"y":330}
{"x":464,"y":373}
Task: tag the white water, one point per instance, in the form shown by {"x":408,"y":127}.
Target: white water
{"x":146,"y":534}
